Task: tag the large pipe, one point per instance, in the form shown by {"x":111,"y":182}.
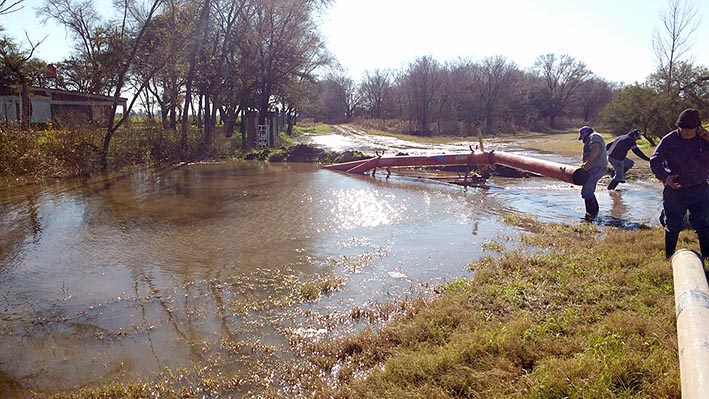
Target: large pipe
{"x":692,"y":311}
{"x":560,"y":171}
{"x":563,"y":172}
{"x":470,"y":158}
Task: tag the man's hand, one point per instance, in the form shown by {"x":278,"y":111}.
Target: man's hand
{"x":671,"y":183}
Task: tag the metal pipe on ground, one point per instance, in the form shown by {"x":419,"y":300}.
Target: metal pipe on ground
{"x":692,"y":312}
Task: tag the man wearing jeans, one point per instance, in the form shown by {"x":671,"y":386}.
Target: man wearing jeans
{"x":618,"y":156}
{"x":595,"y":162}
{"x":681,"y":161}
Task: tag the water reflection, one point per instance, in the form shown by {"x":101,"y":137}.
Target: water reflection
{"x":206,"y":265}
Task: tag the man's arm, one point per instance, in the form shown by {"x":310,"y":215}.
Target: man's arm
{"x":640,"y":154}
{"x":657,"y":162}
{"x":658,"y":165}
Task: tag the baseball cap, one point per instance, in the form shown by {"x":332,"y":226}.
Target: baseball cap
{"x":585,"y":129}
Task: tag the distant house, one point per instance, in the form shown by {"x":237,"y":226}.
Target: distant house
{"x":52,"y":105}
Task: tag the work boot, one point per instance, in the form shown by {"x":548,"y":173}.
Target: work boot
{"x":591,"y":208}
{"x":613,"y":184}
{"x":670,"y":243}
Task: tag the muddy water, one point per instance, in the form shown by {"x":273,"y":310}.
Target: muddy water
{"x":203,"y":266}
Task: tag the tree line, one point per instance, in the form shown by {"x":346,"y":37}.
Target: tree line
{"x":557,"y":90}
{"x":452,"y":97}
{"x":208,"y":62}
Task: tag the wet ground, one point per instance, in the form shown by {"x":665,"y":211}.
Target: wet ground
{"x":213,"y":266}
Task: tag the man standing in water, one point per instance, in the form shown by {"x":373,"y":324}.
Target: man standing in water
{"x":681,"y":161}
{"x":618,"y":156}
{"x":594,"y":161}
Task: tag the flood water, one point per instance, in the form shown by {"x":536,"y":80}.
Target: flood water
{"x":201,"y":265}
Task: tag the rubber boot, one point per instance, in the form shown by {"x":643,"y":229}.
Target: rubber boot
{"x":670,"y":243}
{"x":591,"y":208}
{"x":613,"y":184}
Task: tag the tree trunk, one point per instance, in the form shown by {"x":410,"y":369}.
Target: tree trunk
{"x":207,"y":138}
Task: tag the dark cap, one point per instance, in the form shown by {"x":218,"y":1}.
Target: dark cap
{"x":583,"y":130}
{"x":689,"y":119}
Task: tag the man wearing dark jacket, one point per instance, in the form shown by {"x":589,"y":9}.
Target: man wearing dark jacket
{"x":618,"y":156}
{"x":681,"y":161}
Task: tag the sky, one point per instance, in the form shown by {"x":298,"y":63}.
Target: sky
{"x":612,"y":37}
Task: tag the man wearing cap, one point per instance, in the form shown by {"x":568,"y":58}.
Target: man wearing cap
{"x":594,"y":161}
{"x":618,"y":156}
{"x":681,"y":161}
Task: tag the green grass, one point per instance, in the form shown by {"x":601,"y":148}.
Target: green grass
{"x":571,"y":314}
{"x":311,"y":128}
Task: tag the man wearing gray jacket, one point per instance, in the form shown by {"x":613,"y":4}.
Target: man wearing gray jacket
{"x":618,"y":156}
{"x":595,"y":162}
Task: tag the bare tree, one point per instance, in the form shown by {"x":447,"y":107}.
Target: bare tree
{"x":198,"y":42}
{"x":496,"y":77}
{"x":420,"y":83}
{"x":374,"y":89}
{"x":672,"y":39}
{"x":111,"y":48}
{"x":463,"y":102}
{"x":562,"y":77}
{"x":595,"y":95}
{"x":91,"y":67}
{"x":7,"y":7}
{"x":340,"y":96}
{"x":289,"y":44}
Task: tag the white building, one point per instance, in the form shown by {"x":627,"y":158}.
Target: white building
{"x":52,"y":105}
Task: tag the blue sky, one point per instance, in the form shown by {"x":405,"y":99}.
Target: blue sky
{"x":613,"y":37}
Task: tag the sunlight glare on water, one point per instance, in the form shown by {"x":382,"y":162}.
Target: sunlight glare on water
{"x":364,"y":208}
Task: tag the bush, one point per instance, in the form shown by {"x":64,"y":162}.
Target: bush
{"x":75,"y":149}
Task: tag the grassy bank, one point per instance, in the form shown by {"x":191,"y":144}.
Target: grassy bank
{"x":576,"y":312}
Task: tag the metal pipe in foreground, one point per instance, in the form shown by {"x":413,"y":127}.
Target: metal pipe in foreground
{"x":692,"y":311}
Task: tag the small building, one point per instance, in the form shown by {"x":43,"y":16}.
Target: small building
{"x":53,"y":105}
{"x":264,"y":136}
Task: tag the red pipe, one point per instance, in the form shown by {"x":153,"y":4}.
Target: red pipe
{"x":567,"y":173}
{"x":472,"y":158}
{"x":560,"y":171}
